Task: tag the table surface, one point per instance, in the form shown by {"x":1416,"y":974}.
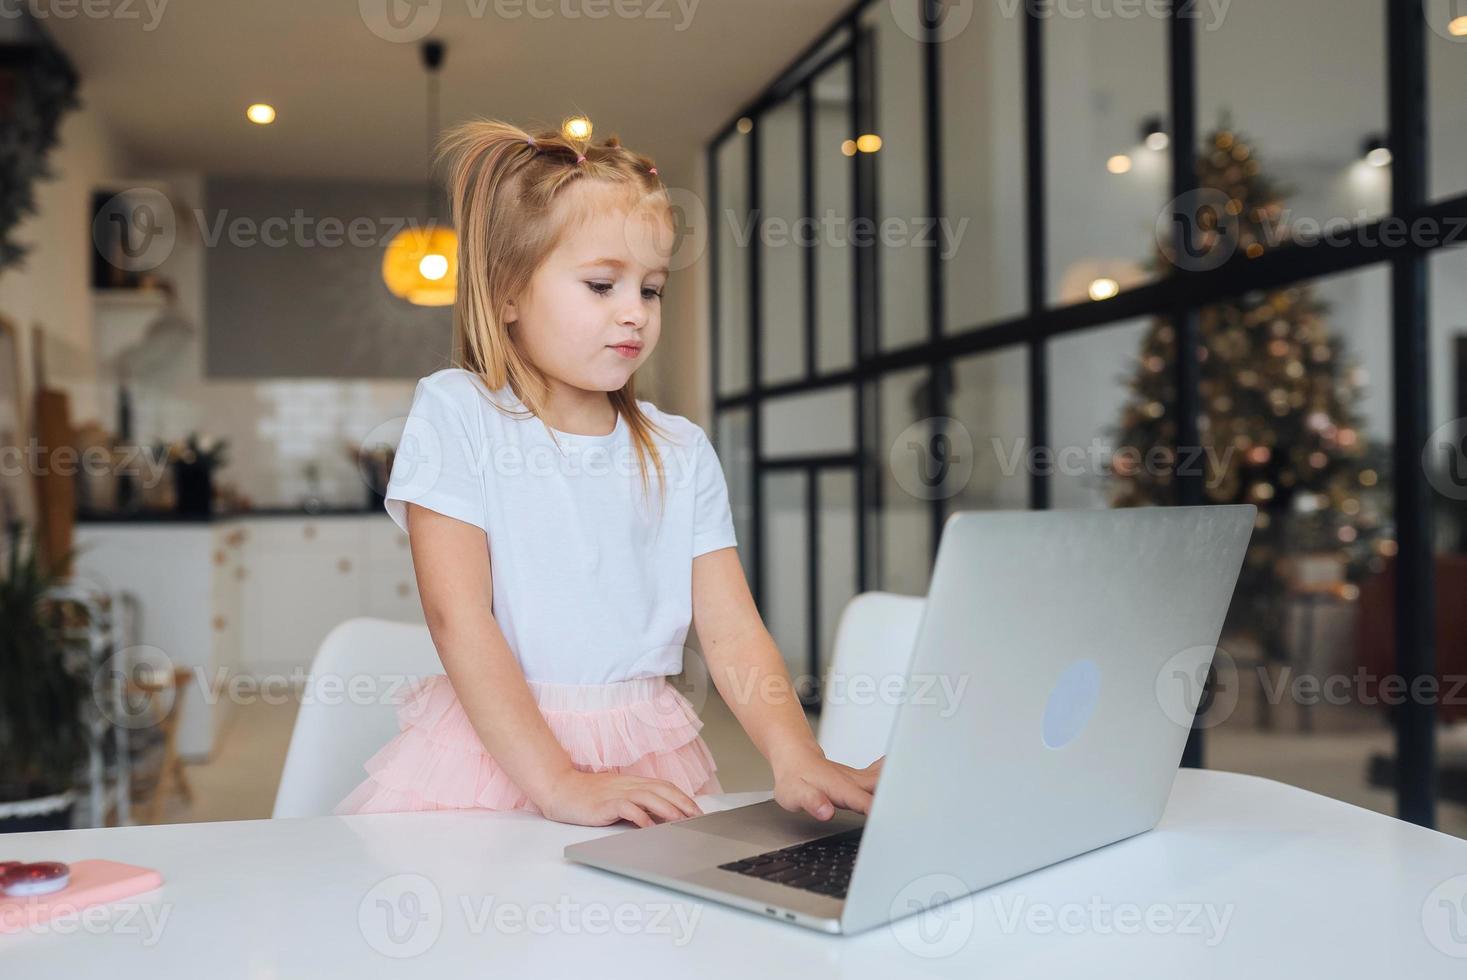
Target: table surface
{"x":1243,"y":877}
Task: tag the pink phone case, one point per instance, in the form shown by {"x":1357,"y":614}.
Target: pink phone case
{"x":92,"y":883}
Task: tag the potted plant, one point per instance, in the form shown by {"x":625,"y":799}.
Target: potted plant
{"x":194,"y":463}
{"x":42,"y":692}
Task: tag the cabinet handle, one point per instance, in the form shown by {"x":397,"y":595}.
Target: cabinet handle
{"x":240,"y":573}
{"x":403,"y":590}
{"x":219,"y":624}
{"x":220,"y":558}
{"x":343,"y":565}
{"x":309,"y":531}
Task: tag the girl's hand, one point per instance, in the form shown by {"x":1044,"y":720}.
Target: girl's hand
{"x":807,"y":780}
{"x":595,"y":799}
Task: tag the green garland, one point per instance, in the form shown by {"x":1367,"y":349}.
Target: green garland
{"x":37,"y":87}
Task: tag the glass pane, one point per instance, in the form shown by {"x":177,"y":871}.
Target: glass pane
{"x":981,"y":233}
{"x":909,"y":459}
{"x":1299,"y":388}
{"x":835,"y":261}
{"x":785,"y":602}
{"x":1447,"y":452}
{"x":781,"y":170}
{"x":901,"y":200}
{"x":820,"y":422}
{"x":1090,"y":374}
{"x":736,"y":454}
{"x":990,"y":403}
{"x":1301,"y":85}
{"x":838,"y":580}
{"x":1105,"y":81}
{"x":733,"y":265}
{"x":1446,"y":469}
{"x":1446,"y":65}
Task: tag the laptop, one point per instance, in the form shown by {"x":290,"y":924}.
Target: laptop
{"x":1084,"y":635}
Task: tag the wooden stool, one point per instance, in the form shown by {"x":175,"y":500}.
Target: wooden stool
{"x":170,"y":772}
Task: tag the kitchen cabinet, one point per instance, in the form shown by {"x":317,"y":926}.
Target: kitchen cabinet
{"x":246,"y":601}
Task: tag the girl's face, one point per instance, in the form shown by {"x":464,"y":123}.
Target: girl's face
{"x":593,"y":311}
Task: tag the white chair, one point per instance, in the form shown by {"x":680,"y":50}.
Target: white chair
{"x":340,"y":726}
{"x":873,"y":642}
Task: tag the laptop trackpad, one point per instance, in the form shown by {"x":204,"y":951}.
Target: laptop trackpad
{"x":769,"y":825}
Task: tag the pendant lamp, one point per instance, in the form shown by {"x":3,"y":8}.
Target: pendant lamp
{"x":421,"y":264}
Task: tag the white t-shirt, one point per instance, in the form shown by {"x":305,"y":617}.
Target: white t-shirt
{"x":590,"y":585}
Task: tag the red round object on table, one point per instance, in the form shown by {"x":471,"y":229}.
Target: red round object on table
{"x":39,"y":878}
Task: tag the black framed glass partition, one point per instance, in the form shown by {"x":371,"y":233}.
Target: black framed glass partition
{"x":1046,"y":238}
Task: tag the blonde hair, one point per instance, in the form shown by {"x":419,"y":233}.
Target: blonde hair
{"x":503,"y":183}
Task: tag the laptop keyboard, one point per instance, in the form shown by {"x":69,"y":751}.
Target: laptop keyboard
{"x":822,"y":865}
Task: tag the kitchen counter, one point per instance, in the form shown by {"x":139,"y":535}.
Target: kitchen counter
{"x":170,"y":517}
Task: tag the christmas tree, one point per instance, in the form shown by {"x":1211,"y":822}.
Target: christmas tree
{"x":1279,"y":426}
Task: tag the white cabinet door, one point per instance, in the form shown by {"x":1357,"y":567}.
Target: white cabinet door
{"x":392,"y":590}
{"x":306,"y":576}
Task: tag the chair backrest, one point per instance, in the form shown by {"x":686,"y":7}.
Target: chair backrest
{"x":873,"y":644}
{"x":349,"y":710}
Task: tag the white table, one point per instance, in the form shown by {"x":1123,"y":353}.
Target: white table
{"x":1297,"y":885}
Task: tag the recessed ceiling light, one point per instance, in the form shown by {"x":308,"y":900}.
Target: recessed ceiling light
{"x":261,"y":113}
{"x":578,"y":128}
{"x":1458,"y":26}
{"x":868,"y":143}
{"x":1119,"y":164}
{"x":1104,"y":288}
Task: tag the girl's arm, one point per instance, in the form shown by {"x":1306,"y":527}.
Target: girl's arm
{"x":452,"y":567}
{"x":750,"y":674}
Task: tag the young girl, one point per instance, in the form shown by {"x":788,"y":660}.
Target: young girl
{"x":564,"y":533}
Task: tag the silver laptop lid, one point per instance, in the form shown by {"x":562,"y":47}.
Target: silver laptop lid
{"x":1060,"y":654}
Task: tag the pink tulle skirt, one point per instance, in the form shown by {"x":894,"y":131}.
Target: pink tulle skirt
{"x":642,"y":726}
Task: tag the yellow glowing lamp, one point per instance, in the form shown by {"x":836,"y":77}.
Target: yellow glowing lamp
{"x":421,"y":266}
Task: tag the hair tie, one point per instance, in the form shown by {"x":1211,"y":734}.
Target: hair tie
{"x":531,"y":141}
{"x":580,"y":158}
{"x":653,"y":171}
